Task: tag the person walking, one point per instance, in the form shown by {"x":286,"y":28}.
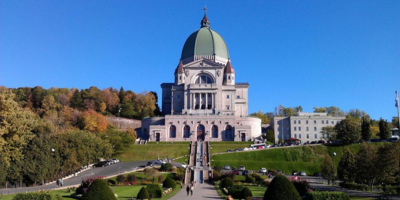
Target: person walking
{"x":188,"y":190}
{"x":191,"y":190}
{"x":61,"y":182}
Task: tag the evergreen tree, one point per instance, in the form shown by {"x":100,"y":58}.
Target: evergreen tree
{"x":348,"y":131}
{"x":270,"y":136}
{"x":99,"y":190}
{"x":384,"y":129}
{"x":328,"y":169}
{"x":347,"y":166}
{"x":121,"y":95}
{"x":143,"y":194}
{"x":366,"y":129}
{"x":76,"y":100}
{"x":281,"y":189}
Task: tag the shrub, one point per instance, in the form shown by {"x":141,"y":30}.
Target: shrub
{"x":131,"y":178}
{"x":99,"y":190}
{"x":169,"y":183}
{"x":281,"y":189}
{"x":166,"y":167}
{"x":323,"y":195}
{"x":246,"y":193}
{"x":226,"y":183}
{"x":392,"y":189}
{"x":302,"y":186}
{"x":216,"y":175}
{"x":143,"y":194}
{"x":155,"y":190}
{"x":236,"y":191}
{"x":250,"y":179}
{"x":218,"y":168}
{"x":37,"y":196}
{"x":354,"y":186}
{"x":121,"y":178}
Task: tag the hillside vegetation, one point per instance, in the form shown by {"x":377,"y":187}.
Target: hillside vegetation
{"x":152,"y":150}
{"x":303,"y":158}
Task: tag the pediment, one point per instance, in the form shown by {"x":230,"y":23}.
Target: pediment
{"x":203,"y":63}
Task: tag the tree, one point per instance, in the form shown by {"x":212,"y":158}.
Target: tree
{"x":16,"y":125}
{"x":270,"y":136}
{"x":328,"y":169}
{"x":366,"y":129}
{"x":348,"y":131}
{"x":93,"y":121}
{"x":264,"y":117}
{"x":246,"y":193}
{"x":395,"y":122}
{"x":99,"y":190}
{"x":366,"y":165}
{"x":329,"y":132}
{"x":152,"y":174}
{"x":281,"y":188}
{"x":347,"y":166}
{"x":388,"y":164}
{"x":169,"y":183}
{"x":143,"y":194}
{"x":76,"y":100}
{"x":384,"y":129}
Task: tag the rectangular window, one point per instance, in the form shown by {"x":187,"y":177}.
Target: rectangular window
{"x":294,"y":121}
{"x":295,"y":129}
{"x":327,"y":122}
{"x":179,"y":97}
{"x":337,"y":122}
{"x":299,"y":122}
{"x":315,"y":136}
{"x":308,"y":136}
{"x":238,"y":97}
{"x":227,"y":96}
{"x":322,"y":121}
{"x":299,"y":128}
{"x":323,"y":135}
{"x":295,"y":135}
{"x":315,"y":121}
{"x":306,"y":128}
{"x":315,"y":128}
{"x":306,"y":121}
{"x":227,"y":107}
{"x":299,"y":135}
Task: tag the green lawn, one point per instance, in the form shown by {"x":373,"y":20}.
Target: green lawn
{"x":303,"y":158}
{"x":152,"y":150}
{"x":224,"y":146}
{"x":140,"y":175}
{"x":255,"y":190}
{"x":123,"y":192}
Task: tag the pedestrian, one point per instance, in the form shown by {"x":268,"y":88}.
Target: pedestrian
{"x":191,"y":190}
{"x":58,"y":182}
{"x":187,"y":189}
{"x":181,"y":185}
{"x":61,"y":182}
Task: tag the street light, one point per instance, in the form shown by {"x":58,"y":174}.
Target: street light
{"x":119,"y":110}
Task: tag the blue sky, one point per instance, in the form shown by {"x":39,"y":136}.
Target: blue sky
{"x":308,"y":53}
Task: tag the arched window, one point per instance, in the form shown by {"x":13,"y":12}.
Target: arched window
{"x":214,"y":131}
{"x":186,"y":131}
{"x":172,"y":132}
{"x":228,"y":131}
{"x":204,"y":79}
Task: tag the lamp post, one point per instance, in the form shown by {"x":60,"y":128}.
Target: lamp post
{"x":119,"y":110}
{"x":398,"y":113}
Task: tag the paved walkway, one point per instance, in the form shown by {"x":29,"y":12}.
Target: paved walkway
{"x":201,"y":191}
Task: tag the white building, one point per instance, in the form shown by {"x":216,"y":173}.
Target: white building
{"x":306,"y":127}
{"x":204,"y":102}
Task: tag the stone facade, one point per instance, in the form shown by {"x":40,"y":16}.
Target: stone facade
{"x":306,"y":127}
{"x":204,"y":102}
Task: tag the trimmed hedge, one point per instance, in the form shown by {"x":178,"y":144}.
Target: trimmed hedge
{"x":281,"y":189}
{"x":236,"y":191}
{"x":99,"y":190}
{"x":323,"y":195}
{"x":155,"y":190}
{"x":37,"y":196}
{"x":169,"y":183}
{"x":226,"y":183}
{"x":143,"y":194}
{"x":354,"y":186}
{"x":246,"y":192}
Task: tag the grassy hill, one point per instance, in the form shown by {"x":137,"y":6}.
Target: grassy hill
{"x":152,"y":150}
{"x":302,"y":158}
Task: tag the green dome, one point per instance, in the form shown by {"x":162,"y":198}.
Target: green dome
{"x":205,"y":42}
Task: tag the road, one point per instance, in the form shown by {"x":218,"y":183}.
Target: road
{"x":109,"y":171}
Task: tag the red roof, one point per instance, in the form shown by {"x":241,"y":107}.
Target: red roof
{"x":179,"y":69}
{"x":229,"y":69}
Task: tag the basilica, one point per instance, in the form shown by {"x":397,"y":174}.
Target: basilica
{"x":204,"y":102}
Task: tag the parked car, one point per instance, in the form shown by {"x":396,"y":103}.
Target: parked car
{"x":275,"y":145}
{"x":279,"y":171}
{"x":236,"y":172}
{"x":101,"y":164}
{"x":393,"y":139}
{"x":246,"y":149}
{"x":321,"y":142}
{"x":303,"y":173}
{"x":160,"y":162}
{"x":313,"y":142}
{"x":260,"y":147}
{"x":229,"y":151}
{"x":237,"y":149}
{"x":294,"y":173}
{"x":241,"y":168}
{"x":245,"y":172}
{"x":252,"y":148}
{"x":227,"y":167}
{"x":317,"y":174}
{"x":115,"y":160}
{"x":149,"y":164}
{"x":184,"y":165}
{"x":109,"y":162}
{"x":263,"y":170}
{"x":375,"y":140}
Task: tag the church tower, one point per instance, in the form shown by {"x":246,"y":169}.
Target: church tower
{"x":229,"y":74}
{"x":179,"y":75}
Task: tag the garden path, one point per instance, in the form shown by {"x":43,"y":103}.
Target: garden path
{"x":201,"y":191}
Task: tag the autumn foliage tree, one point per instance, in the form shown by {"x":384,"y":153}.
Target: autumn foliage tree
{"x":94,"y":122}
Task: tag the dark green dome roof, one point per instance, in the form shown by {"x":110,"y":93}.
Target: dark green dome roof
{"x":205,"y":42}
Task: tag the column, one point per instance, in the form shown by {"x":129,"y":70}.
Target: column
{"x":206,"y":101}
{"x":185,"y":100}
{"x":212,"y":100}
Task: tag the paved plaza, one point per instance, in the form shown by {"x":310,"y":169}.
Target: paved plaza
{"x":201,"y":191}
